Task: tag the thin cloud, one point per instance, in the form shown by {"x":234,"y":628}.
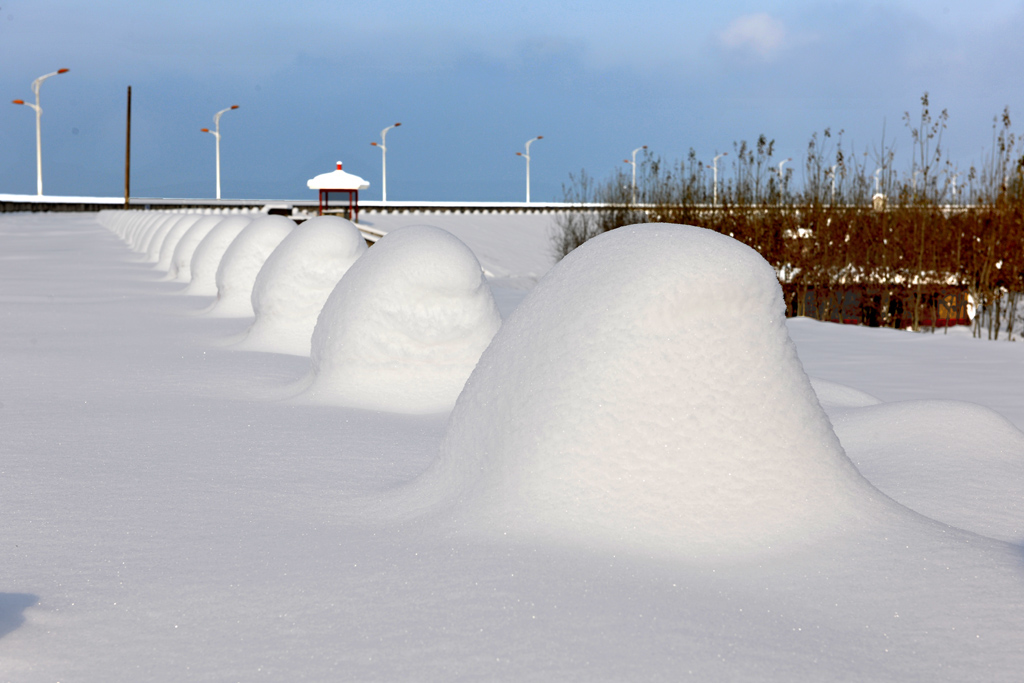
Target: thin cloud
{"x":760,"y":34}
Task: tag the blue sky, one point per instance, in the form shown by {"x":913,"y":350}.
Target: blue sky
{"x":472,"y":81}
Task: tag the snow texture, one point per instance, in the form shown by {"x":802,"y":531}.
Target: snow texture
{"x":209,"y":252}
{"x":405,"y":326}
{"x":242,"y":261}
{"x":646,"y":393}
{"x":294,"y":283}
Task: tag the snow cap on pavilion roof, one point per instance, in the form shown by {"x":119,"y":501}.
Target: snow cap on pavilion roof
{"x":337,"y":180}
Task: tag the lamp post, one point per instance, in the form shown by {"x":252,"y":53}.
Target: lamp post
{"x":527,"y":157}
{"x":39,"y":112}
{"x":216,"y":133}
{"x":714,"y":166}
{"x":384,"y":161}
{"x":781,"y":164}
{"x":633,"y":163}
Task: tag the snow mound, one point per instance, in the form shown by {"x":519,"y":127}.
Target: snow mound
{"x":957,"y":462}
{"x":646,"y":393}
{"x":208,"y":254}
{"x":140,"y":227}
{"x":294,"y":283}
{"x":151,"y":241}
{"x":404,"y":327}
{"x":242,"y":262}
{"x":171,"y":239}
{"x":156,"y":242}
{"x":180,"y":268}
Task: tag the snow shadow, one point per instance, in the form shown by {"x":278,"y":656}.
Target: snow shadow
{"x":12,"y":605}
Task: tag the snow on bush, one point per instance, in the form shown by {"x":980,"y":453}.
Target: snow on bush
{"x":208,"y":254}
{"x":181,"y":260}
{"x":294,"y":283}
{"x":242,"y":262}
{"x":404,"y":327}
{"x":646,"y":393}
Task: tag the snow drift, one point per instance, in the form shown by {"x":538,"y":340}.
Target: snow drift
{"x":242,"y":261}
{"x":647,"y":393}
{"x":294,"y":283}
{"x":209,"y":252}
{"x":954,"y":461}
{"x":404,"y":327}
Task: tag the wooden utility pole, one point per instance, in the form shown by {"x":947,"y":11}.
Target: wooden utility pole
{"x":128,"y":151}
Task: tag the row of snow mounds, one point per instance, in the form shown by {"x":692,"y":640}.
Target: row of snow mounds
{"x":646,"y":394}
{"x":398,"y":329}
{"x":145,"y":231}
{"x":242,"y":261}
{"x":208,"y":254}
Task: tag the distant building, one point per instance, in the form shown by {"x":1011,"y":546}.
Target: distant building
{"x":339,"y":181}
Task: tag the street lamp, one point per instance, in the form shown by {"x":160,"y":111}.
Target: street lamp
{"x":216,"y":133}
{"x":781,"y":163}
{"x":39,"y":112}
{"x":384,"y":161}
{"x":527,"y":157}
{"x":714,"y":165}
{"x":633,"y":162}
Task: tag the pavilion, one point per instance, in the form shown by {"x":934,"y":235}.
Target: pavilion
{"x":339,"y":181}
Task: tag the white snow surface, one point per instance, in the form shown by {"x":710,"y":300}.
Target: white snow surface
{"x":295,"y":281}
{"x":242,"y":261}
{"x":162,"y":522}
{"x":404,"y":326}
{"x":208,"y":254}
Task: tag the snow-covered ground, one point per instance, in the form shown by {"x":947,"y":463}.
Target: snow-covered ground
{"x":166,"y":516}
